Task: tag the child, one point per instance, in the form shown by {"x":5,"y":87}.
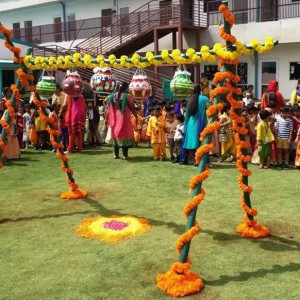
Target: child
{"x":19,"y":121}
{"x":171,"y":124}
{"x":284,"y":129}
{"x":264,"y":139}
{"x":297,"y":159}
{"x":137,"y":125}
{"x":295,"y":117}
{"x":26,"y":126}
{"x":156,"y":131}
{"x":178,"y":136}
{"x":228,"y":140}
{"x":41,"y":130}
{"x":146,"y":122}
{"x":93,"y":129}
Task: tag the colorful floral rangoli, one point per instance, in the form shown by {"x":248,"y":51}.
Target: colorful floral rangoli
{"x":112,"y":229}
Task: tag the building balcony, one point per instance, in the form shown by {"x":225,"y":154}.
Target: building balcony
{"x":248,"y":11}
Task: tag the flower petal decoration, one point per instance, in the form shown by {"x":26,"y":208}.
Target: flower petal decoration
{"x":112,"y":229}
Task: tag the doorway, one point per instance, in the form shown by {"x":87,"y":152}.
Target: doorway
{"x":269,"y":10}
{"x":268,"y":70}
{"x":8,"y":78}
{"x":165,"y":7}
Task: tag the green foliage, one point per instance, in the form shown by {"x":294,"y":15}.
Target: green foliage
{"x":43,"y":258}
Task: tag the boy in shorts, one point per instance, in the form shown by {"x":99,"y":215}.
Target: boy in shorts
{"x":284,"y":129}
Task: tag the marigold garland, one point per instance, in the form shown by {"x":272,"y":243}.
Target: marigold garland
{"x":214,"y":109}
{"x":202,"y":150}
{"x":5,"y":30}
{"x":191,"y":56}
{"x":252,"y":229}
{"x":210,"y":129}
{"x":5,"y":126}
{"x":179,"y":280}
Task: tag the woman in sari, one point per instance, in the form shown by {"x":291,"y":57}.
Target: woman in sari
{"x":194,"y":123}
{"x":120,"y":107}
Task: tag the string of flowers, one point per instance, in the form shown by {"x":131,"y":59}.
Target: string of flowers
{"x":179,"y":280}
{"x":75,"y":192}
{"x":175,"y":56}
{"x":250,"y":227}
{"x":26,"y":79}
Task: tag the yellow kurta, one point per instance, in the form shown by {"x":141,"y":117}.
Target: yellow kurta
{"x":156,"y":130}
{"x":295,"y":99}
{"x":264,"y":133}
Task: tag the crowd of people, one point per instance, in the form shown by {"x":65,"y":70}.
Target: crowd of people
{"x":172,"y":128}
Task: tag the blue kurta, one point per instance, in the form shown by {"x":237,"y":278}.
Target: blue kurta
{"x":194,"y":125}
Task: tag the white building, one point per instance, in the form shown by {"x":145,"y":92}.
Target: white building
{"x":70,"y":23}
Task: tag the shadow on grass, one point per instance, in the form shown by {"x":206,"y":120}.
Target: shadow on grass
{"x":277,"y":243}
{"x":94,"y":151}
{"x":220,"y":166}
{"x":272,"y":243}
{"x":12,"y":163}
{"x":142,"y":159}
{"x":97,"y":208}
{"x":109,"y":212}
{"x":34,"y":152}
{"x":21,"y":219}
{"x":244,"y":276}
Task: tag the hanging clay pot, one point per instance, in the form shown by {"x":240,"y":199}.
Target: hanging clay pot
{"x":181,"y":85}
{"x":103,"y":81}
{"x":72,"y":84}
{"x":46,"y":86}
{"x":140,"y":87}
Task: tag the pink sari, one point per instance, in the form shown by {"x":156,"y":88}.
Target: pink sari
{"x":75,"y":116}
{"x":119,"y":119}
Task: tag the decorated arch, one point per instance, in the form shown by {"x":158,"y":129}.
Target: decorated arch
{"x":179,"y":280}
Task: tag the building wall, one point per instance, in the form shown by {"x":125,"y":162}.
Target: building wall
{"x":47,"y":10}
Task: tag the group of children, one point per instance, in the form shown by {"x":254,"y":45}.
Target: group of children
{"x":162,"y":128}
{"x":273,"y":137}
{"x":278,"y":138}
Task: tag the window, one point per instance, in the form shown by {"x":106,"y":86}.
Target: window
{"x":124,"y":14}
{"x":294,"y":70}
{"x":165,"y":11}
{"x":57,"y":29}
{"x":269,"y":10}
{"x":72,"y":27}
{"x":211,"y":5}
{"x":268,"y":71}
{"x":16,"y":30}
{"x":242,"y":71}
{"x":240,"y":11}
{"x":106,"y":21}
{"x":28,"y":31}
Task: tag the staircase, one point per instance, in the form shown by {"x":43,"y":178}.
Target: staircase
{"x":134,"y":31}
{"x":130,"y":33}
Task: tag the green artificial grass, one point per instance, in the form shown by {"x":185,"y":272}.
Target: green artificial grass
{"x":42,"y":257}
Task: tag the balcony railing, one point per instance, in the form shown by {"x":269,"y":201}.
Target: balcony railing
{"x":154,"y":13}
{"x":254,"y":11}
